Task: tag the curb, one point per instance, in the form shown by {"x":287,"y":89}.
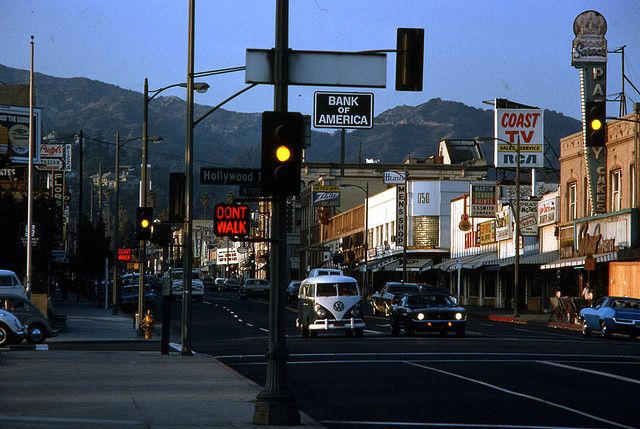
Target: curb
{"x":524,"y":321}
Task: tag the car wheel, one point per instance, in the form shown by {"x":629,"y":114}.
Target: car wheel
{"x":358,"y":333}
{"x":304,"y":330}
{"x":585,"y":329}
{"x":312,"y":333}
{"x":348,"y":332}
{"x":5,"y":335}
{"x":604,"y":330}
{"x":35,"y":334}
{"x":460,"y":332}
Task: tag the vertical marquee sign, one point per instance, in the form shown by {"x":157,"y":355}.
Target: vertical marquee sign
{"x":589,"y":55}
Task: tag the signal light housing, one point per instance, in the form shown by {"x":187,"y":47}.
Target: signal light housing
{"x":282,"y":138}
{"x":144,"y":222}
{"x":409,"y":59}
{"x":595,"y":123}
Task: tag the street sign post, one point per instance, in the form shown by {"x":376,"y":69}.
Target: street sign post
{"x":394,"y":177}
{"x":343,"y":110}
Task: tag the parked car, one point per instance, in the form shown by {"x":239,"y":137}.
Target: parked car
{"x":9,"y":283}
{"x":254,"y":287}
{"x":207,"y":282}
{"x":11,"y":330}
{"x":231,"y":284}
{"x":612,"y":315}
{"x":292,"y":290}
{"x":382,"y":302}
{"x":197,"y":288}
{"x":428,"y":311}
{"x":219,"y":283}
{"x":36,"y":325}
{"x":330,"y":303}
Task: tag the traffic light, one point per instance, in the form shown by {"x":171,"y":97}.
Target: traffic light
{"x":282,"y":138}
{"x":176,"y":197}
{"x":144,"y":222}
{"x":595,"y":123}
{"x":409,"y":59}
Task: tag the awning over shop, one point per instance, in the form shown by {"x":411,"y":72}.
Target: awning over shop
{"x":579,"y":261}
{"x":483,"y":259}
{"x":380,"y":264}
{"x":415,"y":264}
{"x":466,"y":262}
{"x":539,"y":258}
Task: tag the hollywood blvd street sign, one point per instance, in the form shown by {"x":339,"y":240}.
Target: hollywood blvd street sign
{"x":343,"y":110}
{"x":229,"y":176}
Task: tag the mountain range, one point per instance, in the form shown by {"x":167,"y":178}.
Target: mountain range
{"x":232,"y":139}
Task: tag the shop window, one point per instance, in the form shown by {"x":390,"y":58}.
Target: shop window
{"x":489,"y":285}
{"x":572,"y":201}
{"x":616,"y":194}
{"x":632,"y":182}
{"x":426,"y":231}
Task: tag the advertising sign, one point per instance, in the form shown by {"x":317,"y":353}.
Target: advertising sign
{"x":14,"y":133}
{"x":401,"y":214}
{"x":503,"y":225}
{"x":12,"y":174}
{"x":35,"y":234}
{"x":528,"y":218}
{"x":487,"y":232}
{"x":232,"y":220}
{"x":424,"y":198}
{"x":57,"y":192}
{"x":394,"y":177}
{"x":483,"y":200}
{"x":326,"y":196}
{"x":589,"y":45}
{"x":226,"y":256}
{"x":548,"y":211}
{"x":521,"y":128}
{"x":343,"y":110}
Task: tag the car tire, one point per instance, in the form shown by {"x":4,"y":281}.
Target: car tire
{"x":5,"y":336}
{"x":348,"y":332}
{"x":604,"y":330}
{"x":312,"y":333}
{"x":36,"y":334}
{"x":358,"y":333}
{"x":585,"y":329}
{"x":304,"y":330}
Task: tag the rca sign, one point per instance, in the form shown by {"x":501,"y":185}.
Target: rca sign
{"x":231,"y":220}
{"x":519,"y":133}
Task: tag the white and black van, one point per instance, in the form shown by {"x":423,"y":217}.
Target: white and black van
{"x":328,"y":303}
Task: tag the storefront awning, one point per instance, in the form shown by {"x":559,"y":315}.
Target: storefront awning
{"x":380,"y":264}
{"x":483,"y":259}
{"x":539,"y":258}
{"x":579,"y":261}
{"x":466,"y":262}
{"x":415,"y":264}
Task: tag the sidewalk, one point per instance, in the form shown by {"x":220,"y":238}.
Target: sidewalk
{"x":119,"y":389}
{"x":525,"y":318}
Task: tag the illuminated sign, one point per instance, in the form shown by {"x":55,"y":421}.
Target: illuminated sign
{"x":231,"y":220}
{"x":125,"y":254}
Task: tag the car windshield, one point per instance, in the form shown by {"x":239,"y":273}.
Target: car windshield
{"x":336,"y":289}
{"x":626,"y":304}
{"x":6,"y":281}
{"x":429,"y":301}
{"x":402,"y":288}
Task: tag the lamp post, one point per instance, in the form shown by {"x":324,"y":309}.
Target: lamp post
{"x":116,"y":217}
{"x":366,"y":232}
{"x":200,"y":87}
{"x":516,"y":265}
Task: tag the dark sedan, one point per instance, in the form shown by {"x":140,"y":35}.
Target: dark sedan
{"x":430,"y":311}
{"x":383,"y":301}
{"x":612,"y":315}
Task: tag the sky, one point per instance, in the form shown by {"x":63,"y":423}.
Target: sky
{"x":474,"y":50}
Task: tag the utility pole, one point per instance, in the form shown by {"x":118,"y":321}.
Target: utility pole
{"x":275,"y":405}
{"x":116,"y":220}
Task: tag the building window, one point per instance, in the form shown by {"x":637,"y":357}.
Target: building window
{"x":426,"y":231}
{"x":616,"y":195}
{"x":585,"y":198}
{"x":632,"y":183}
{"x":572,"y":200}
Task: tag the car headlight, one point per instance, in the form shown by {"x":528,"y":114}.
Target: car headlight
{"x":420,"y":316}
{"x":320,"y":311}
{"x":458,"y":316}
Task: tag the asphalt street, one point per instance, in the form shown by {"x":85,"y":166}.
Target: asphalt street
{"x":498,"y":375}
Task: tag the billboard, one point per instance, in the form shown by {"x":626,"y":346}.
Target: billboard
{"x":523,"y":129}
{"x":483,"y":200}
{"x":14,"y":133}
{"x":326,"y":196}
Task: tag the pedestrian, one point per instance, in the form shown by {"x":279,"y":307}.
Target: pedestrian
{"x":556,"y":307}
{"x":587,"y":295}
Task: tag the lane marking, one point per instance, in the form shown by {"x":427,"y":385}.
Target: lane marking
{"x":265,"y":330}
{"x":42,"y":347}
{"x":249,"y":324}
{"x":522,"y":395}
{"x":543,"y":333}
{"x":235,"y":315}
{"x":68,"y":420}
{"x":591,"y":371}
{"x":374,"y":361}
{"x":178,"y":347}
{"x":455,"y":425}
{"x":207,"y":302}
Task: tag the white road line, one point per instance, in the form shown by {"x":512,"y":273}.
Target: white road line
{"x":455,"y":425}
{"x":591,"y":371}
{"x":531,"y":331}
{"x":249,"y":324}
{"x":265,"y":330}
{"x":178,"y":347}
{"x":487,"y":324}
{"x":235,"y":315}
{"x":42,"y":347}
{"x":373,"y":332}
{"x":385,"y":361}
{"x":522,"y":395}
{"x":207,"y":302}
{"x":33,"y":419}
{"x":240,"y":320}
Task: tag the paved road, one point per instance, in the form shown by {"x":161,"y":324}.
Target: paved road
{"x":500,"y":375}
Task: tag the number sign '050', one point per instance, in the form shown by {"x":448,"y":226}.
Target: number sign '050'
{"x":232,"y":220}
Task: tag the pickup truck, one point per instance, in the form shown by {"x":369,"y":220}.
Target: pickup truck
{"x":253,"y":287}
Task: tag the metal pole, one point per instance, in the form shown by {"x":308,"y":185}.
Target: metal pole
{"x":275,"y":405}
{"x":343,"y":138}
{"x":30,"y":185}
{"x":516,"y":268}
{"x":100,"y":192}
{"x":116,"y":221}
{"x":406,"y":225}
{"x":366,"y":239}
{"x":188,"y":163}
{"x":143,"y":201}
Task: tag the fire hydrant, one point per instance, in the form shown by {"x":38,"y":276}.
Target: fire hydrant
{"x":147,"y":325}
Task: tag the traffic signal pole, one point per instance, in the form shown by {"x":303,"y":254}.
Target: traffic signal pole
{"x":275,"y":405}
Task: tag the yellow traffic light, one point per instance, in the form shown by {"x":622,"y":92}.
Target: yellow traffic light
{"x":283,"y":153}
{"x":596,"y":124}
{"x":144,"y":223}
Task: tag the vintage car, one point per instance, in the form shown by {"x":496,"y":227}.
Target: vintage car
{"x":36,"y":325}
{"x":383,"y":301}
{"x":612,"y":315}
{"x":254,"y":287}
{"x":428,"y":311}
{"x":11,"y":330}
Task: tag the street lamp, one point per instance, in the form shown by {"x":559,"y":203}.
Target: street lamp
{"x":516,"y":266}
{"x":200,"y":87}
{"x":366,"y":232}
{"x":119,"y":145}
